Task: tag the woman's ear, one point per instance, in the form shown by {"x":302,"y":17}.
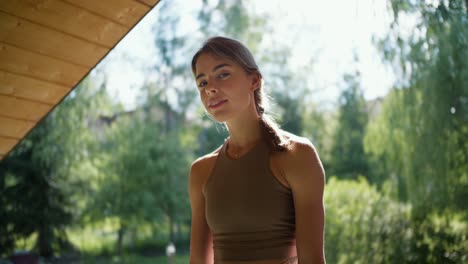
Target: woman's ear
{"x":256,"y":81}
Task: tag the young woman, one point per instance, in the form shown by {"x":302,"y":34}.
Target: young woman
{"x":258,"y":198}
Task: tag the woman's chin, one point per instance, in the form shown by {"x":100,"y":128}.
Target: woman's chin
{"x":219,"y":116}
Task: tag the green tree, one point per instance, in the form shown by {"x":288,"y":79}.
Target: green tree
{"x":288,"y":90}
{"x":232,"y":18}
{"x":143,"y":175}
{"x":420,"y":137}
{"x":31,"y":200}
{"x":348,"y":159}
{"x":426,"y":118}
{"x":319,"y":127}
{"x":168,"y":104}
{"x":37,"y":187}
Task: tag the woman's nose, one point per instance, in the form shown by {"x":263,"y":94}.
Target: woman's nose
{"x":211,"y":89}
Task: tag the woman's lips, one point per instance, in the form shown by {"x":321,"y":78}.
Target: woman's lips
{"x":216,"y":104}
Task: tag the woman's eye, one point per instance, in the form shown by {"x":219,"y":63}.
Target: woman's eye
{"x":223,"y":75}
{"x":202,"y":84}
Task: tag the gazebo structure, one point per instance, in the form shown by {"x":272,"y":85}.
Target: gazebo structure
{"x":47,"y":47}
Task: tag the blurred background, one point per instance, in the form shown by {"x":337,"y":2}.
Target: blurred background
{"x":379,"y":87}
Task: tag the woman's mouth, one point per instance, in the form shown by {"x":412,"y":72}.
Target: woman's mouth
{"x":217,"y":103}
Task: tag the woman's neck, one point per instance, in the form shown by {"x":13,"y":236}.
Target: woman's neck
{"x":244,"y":133}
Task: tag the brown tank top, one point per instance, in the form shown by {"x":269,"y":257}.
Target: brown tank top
{"x":250,"y":213}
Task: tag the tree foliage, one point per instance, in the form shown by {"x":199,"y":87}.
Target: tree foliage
{"x":348,"y":159}
{"x":37,"y":183}
{"x":422,"y":132}
{"x":365,"y":225}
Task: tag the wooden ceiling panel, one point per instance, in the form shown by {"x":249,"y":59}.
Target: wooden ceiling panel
{"x":149,"y":2}
{"x":23,"y":62}
{"x":30,"y":88}
{"x":67,"y":18}
{"x":6,"y":144}
{"x":47,"y":47}
{"x":125,"y":12}
{"x":22,"y":109}
{"x":14,"y":128}
{"x":33,"y":37}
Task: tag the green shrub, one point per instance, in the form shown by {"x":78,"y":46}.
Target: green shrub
{"x":440,"y":238}
{"x":364,"y":225}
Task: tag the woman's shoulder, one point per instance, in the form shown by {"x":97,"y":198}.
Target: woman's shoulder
{"x":300,"y":161}
{"x":204,"y":164}
{"x":297,"y":145}
{"x":300,"y":151}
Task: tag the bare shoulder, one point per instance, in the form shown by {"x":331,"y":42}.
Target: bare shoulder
{"x":301,"y":160}
{"x":203,"y":165}
{"x":299,"y":146}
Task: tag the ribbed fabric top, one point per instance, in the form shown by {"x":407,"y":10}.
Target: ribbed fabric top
{"x":250,"y":213}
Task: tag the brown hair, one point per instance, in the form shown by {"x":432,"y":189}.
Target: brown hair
{"x":235,"y":51}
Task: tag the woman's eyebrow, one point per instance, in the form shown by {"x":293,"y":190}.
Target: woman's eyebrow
{"x":215,"y":68}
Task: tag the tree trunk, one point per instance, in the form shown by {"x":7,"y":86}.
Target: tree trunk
{"x":178,"y":232}
{"x":44,"y":241}
{"x":120,"y":236}
{"x":171,"y":229}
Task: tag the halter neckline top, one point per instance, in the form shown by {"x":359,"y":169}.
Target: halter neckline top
{"x":249,"y":211}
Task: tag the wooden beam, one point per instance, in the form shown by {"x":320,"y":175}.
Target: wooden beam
{"x":67,"y":18}
{"x":14,"y":128}
{"x":149,"y":2}
{"x":6,"y":144}
{"x":27,"y":63}
{"x":36,"y":38}
{"x":22,"y":109}
{"x":32,"y":89}
{"x":124,"y":12}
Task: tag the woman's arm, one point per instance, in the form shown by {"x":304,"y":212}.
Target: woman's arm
{"x":306,"y":177}
{"x":201,"y":244}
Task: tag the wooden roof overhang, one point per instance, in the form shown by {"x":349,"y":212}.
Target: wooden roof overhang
{"x":47,"y":47}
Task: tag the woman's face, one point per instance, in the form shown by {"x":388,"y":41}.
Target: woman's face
{"x":225,"y":88}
